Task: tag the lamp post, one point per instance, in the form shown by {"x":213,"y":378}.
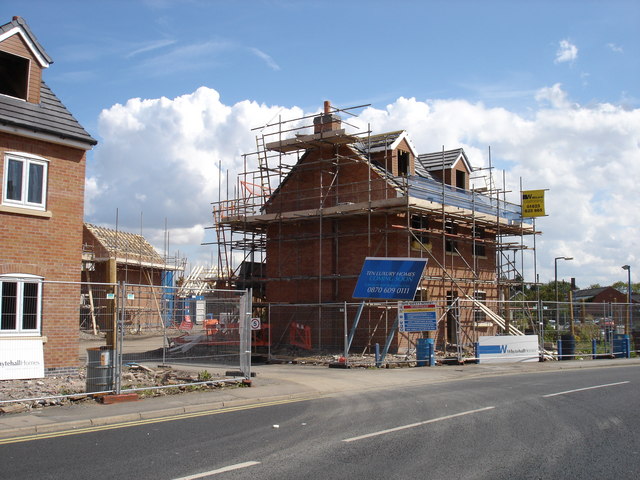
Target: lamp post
{"x":627,"y":329}
{"x":555,"y":262}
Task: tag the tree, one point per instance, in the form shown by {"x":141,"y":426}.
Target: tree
{"x":624,"y":287}
{"x":548,"y":291}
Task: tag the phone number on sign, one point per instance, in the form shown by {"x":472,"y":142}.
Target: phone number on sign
{"x":388,"y":290}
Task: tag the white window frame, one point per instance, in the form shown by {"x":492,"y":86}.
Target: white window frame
{"x":27,"y":160}
{"x":20,"y":280}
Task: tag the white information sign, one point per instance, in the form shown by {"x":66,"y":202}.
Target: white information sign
{"x":21,"y":359}
{"x":508,"y":348}
{"x":255,"y":324}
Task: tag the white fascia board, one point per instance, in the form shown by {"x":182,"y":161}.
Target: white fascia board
{"x":24,"y":132}
{"x":404,"y":136}
{"x":18,"y":30}
{"x":463,"y":157}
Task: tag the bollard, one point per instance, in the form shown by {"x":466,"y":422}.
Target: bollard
{"x":475,"y":352}
{"x":594,"y":349}
{"x":559,"y":349}
{"x":626,"y":342}
{"x":377,"y":355}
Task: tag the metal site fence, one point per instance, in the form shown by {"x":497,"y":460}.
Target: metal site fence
{"x":368,"y":332}
{"x":173,"y":337}
{"x":105,"y":338}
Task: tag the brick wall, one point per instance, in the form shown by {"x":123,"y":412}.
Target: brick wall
{"x":50,"y":246}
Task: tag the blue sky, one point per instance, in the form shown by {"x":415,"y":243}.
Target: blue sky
{"x":354,"y":52}
{"x":551,"y":86}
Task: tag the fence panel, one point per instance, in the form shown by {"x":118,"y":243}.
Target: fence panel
{"x":322,"y":329}
{"x":171,"y":336}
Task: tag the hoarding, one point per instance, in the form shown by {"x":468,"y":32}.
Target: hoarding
{"x":508,"y":349}
{"x":21,"y":359}
{"x":385,"y":278}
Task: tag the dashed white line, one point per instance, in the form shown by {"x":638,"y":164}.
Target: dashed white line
{"x":413,"y":425}
{"x":229,"y":468}
{"x":583,"y":389}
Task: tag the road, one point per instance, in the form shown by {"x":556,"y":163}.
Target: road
{"x":557,"y":425}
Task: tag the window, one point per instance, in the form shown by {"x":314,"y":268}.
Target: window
{"x":478,"y":315}
{"x":461,"y":179}
{"x":479,"y":249}
{"x":450,"y":230}
{"x":25,"y":181}
{"x":20,"y":304}
{"x":420,"y":227}
{"x":14,"y":75}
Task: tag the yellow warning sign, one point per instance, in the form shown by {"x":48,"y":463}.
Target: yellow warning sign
{"x":533,"y":203}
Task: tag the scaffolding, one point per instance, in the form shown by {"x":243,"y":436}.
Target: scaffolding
{"x":403,"y":212}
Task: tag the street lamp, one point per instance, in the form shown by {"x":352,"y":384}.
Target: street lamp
{"x":629,"y":310}
{"x":555,"y":263}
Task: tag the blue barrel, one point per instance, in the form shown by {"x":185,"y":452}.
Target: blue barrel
{"x":422,"y":351}
{"x":621,"y":346}
{"x":567,"y":347}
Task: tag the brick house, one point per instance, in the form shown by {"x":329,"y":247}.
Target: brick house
{"x":42,"y":166}
{"x":349,"y":197}
{"x":600,"y":295}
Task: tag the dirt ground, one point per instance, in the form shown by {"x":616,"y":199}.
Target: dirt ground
{"x":66,"y":390}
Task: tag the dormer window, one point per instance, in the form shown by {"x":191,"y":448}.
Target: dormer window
{"x":461,"y":179}
{"x":14,"y":75}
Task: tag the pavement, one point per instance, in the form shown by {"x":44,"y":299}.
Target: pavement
{"x":272,"y":383}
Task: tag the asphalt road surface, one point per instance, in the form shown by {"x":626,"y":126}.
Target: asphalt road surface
{"x":581,"y":424}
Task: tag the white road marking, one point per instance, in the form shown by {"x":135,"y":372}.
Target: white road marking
{"x":237,"y":466}
{"x":583,"y":389}
{"x":404,"y":427}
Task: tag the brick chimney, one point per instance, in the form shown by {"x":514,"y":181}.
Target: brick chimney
{"x":327,"y":121}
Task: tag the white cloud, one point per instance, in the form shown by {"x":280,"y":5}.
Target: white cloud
{"x":150,"y":46}
{"x":554,"y":95}
{"x":267,"y":58}
{"x":161,"y":157}
{"x":567,"y":52}
{"x":615,"y":48}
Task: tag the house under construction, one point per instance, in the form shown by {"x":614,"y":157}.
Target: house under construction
{"x":314,"y":201}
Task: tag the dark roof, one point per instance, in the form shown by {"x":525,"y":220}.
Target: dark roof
{"x":49,"y":116}
{"x":381,"y":141}
{"x":589,"y":292}
{"x":430,"y":162}
{"x":592,"y":292}
{"x":20,"y":23}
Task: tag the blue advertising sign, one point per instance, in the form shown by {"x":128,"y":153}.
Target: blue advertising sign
{"x":389,"y":278}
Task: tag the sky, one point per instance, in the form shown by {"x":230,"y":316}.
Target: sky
{"x":172,"y":89}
